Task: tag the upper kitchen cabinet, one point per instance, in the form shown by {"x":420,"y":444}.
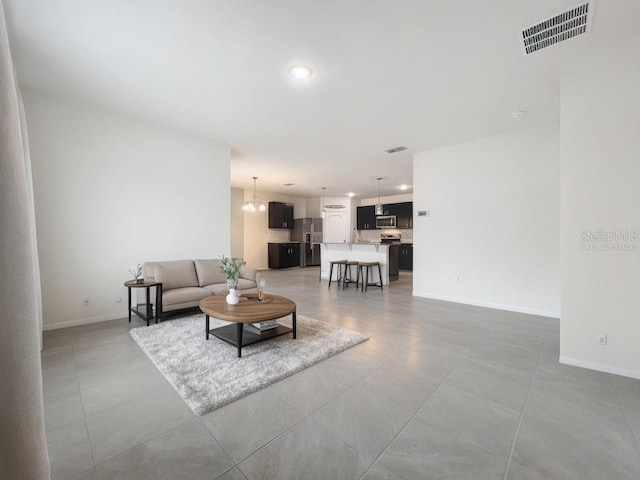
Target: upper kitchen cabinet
{"x":404,"y":215}
{"x":403,"y":212}
{"x":281,"y":215}
{"x":366,"y":217}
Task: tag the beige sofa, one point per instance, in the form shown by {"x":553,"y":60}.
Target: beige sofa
{"x":186,"y":282}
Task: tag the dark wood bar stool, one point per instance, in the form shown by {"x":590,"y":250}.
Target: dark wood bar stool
{"x":339,"y":263}
{"x":348,"y":273}
{"x":364,"y":275}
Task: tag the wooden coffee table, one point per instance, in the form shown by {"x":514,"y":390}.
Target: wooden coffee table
{"x":249,"y":310}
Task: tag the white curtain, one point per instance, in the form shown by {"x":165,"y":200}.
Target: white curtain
{"x":32,"y":210}
{"x":23,"y":447}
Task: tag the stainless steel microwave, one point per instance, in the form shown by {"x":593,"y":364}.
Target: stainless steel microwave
{"x":386,"y":221}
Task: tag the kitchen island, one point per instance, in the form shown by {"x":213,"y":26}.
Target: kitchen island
{"x":386,"y":254}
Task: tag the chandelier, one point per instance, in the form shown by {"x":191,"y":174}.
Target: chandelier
{"x":254,"y":205}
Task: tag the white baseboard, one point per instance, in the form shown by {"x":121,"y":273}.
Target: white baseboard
{"x":510,"y":308}
{"x":83,"y":321}
{"x":600,"y":367}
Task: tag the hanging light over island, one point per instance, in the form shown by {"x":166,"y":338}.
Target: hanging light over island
{"x":379,"y":208}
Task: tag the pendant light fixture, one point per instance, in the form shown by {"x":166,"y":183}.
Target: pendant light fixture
{"x":322,"y":214}
{"x":379,"y":210}
{"x":254,"y":204}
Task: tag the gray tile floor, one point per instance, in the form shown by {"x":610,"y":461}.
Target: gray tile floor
{"x":440,"y":391}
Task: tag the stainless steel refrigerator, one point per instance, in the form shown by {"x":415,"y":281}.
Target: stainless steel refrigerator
{"x":308,"y":231}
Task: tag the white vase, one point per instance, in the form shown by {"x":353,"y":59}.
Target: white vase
{"x":232,"y":297}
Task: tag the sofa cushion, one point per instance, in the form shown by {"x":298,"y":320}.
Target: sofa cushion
{"x":176,"y":274}
{"x":183,"y":295}
{"x":217,"y":288}
{"x":209,"y":272}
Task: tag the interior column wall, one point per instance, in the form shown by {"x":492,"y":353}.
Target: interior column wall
{"x":601,"y":208}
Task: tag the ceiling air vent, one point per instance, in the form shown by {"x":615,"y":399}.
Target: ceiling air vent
{"x":396,"y":149}
{"x":561,"y":27}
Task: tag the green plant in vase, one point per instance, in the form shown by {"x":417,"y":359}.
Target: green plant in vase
{"x":137,"y":273}
{"x":231,"y":268}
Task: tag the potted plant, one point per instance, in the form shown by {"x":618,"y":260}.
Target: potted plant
{"x":137,"y":273}
{"x":231,"y":268}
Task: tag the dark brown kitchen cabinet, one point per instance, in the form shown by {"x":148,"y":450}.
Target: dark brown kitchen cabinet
{"x":404,"y":215}
{"x":366,"y":217}
{"x":284,"y":255}
{"x":405,"y":257}
{"x":394,"y":262}
{"x":403,"y":212}
{"x":281,"y":215}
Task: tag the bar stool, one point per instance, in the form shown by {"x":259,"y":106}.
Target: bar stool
{"x":339,"y":263}
{"x":348,"y":273}
{"x":365,"y":275}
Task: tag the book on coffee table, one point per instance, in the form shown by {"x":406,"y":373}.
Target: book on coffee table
{"x":262,"y":326}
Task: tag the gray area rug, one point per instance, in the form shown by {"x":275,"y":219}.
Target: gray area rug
{"x":208,"y":374}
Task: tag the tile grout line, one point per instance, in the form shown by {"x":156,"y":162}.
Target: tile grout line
{"x":524,"y":409}
{"x":375,"y":461}
{"x":636,"y":441}
{"x":84,"y":413}
{"x":85,"y":416}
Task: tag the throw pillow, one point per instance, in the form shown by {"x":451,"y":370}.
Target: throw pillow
{"x":176,"y":275}
{"x":209,"y":272}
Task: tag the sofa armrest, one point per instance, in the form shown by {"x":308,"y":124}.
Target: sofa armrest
{"x":248,"y":273}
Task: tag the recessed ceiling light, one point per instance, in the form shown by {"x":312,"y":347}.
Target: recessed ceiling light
{"x":351,"y":194}
{"x":300,"y":72}
{"x":404,"y":187}
{"x":288,"y":184}
{"x":518,"y":114}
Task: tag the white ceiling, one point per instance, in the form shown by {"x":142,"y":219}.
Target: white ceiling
{"x":419,"y":73}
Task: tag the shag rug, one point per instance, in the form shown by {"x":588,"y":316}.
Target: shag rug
{"x":208,"y":373}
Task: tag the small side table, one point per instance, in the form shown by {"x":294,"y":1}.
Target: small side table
{"x":138,"y":309}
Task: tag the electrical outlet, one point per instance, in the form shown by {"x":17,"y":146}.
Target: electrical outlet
{"x":118,"y":299}
{"x":449,"y":277}
{"x":85,"y":301}
{"x":602,"y":339}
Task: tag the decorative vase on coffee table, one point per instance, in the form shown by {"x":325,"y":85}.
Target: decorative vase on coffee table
{"x":232,"y":296}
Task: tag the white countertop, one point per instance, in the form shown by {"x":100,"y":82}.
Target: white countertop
{"x":356,"y":243}
{"x":361,"y":252}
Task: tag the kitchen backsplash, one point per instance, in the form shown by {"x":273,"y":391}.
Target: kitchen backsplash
{"x":279,"y":235}
{"x":374,"y":235}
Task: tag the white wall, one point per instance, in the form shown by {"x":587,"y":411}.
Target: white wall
{"x":403,"y":197}
{"x":494,"y":223}
{"x":600,"y":177}
{"x":112,"y":191}
{"x":313,"y":207}
{"x":237,"y":223}
{"x":257,"y":233}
